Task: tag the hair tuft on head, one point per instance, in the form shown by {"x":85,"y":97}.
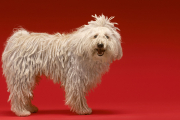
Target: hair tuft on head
{"x":102,"y":21}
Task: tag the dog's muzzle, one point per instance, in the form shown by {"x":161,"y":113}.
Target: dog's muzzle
{"x":100,"y":49}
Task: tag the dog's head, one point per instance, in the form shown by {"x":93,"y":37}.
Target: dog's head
{"x":99,"y":40}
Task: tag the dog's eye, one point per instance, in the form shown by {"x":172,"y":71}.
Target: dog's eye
{"x":107,"y":37}
{"x":95,"y":36}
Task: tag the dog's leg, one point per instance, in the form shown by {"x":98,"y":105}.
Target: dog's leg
{"x":21,"y":95}
{"x":75,"y":96}
{"x":21,"y":100}
{"x":30,"y":107}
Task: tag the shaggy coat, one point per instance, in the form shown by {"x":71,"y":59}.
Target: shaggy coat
{"x":76,"y":60}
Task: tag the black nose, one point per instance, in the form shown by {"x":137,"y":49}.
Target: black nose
{"x":100,"y":45}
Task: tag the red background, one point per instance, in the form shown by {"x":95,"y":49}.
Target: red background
{"x":144,"y":84}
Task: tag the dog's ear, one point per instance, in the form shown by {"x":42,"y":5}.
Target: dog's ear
{"x":118,"y":43}
{"x":79,"y":42}
{"x":120,"y":53}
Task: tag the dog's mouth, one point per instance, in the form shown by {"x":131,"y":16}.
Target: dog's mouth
{"x":100,"y":52}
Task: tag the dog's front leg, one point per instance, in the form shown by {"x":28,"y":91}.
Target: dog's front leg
{"x":75,"y":96}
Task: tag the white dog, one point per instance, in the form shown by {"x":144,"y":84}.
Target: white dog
{"x":76,"y":60}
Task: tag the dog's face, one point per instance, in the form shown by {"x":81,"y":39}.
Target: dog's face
{"x":105,"y":44}
{"x":98,"y":40}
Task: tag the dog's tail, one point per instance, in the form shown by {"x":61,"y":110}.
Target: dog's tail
{"x":18,"y":32}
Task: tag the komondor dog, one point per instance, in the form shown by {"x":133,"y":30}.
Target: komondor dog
{"x":76,"y":60}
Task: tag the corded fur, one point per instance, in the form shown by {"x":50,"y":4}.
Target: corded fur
{"x":70,"y":59}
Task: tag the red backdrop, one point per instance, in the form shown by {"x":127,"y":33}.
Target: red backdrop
{"x":145,"y":83}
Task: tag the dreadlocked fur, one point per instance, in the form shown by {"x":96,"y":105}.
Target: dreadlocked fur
{"x":76,"y":60}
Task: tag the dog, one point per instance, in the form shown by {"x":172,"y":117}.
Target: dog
{"x":77,"y":60}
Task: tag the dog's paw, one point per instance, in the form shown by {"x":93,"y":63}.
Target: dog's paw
{"x":23,"y":113}
{"x":32,"y":109}
{"x":84,"y":111}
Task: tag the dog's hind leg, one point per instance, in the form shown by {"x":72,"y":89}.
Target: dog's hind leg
{"x":19,"y":100}
{"x":20,"y":97}
{"x":21,"y":94}
{"x":30,"y":107}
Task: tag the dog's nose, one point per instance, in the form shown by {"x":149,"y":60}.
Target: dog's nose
{"x":100,"y":45}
